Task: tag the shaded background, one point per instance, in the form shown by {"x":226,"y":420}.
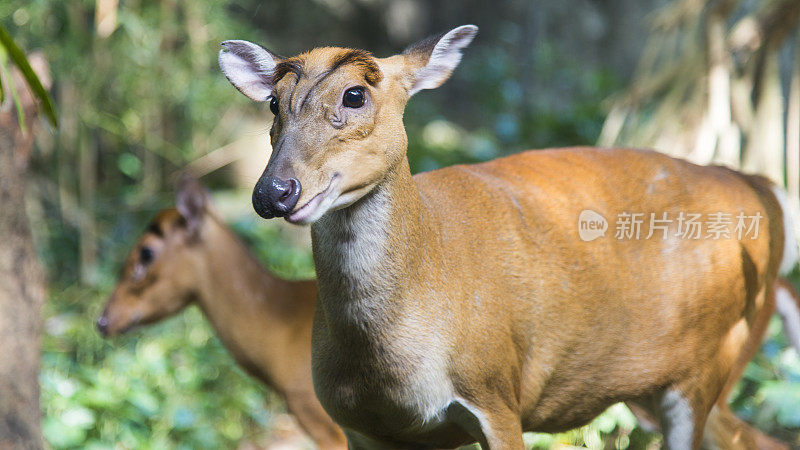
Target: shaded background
{"x":141,"y":98}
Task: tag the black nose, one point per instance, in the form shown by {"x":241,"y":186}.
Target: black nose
{"x":102,"y":325}
{"x":273,"y":197}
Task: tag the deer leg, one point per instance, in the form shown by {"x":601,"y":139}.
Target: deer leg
{"x":726,"y":431}
{"x":681,"y":422}
{"x":313,"y":419}
{"x":358,"y":441}
{"x":495,"y":428}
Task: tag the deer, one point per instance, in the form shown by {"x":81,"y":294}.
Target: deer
{"x":460,"y":305}
{"x":189,"y":256}
{"x":166,"y":239}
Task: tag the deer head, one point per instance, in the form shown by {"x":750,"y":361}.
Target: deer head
{"x":164,"y":271}
{"x":338,"y":127}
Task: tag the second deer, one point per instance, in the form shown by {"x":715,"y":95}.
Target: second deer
{"x":188,"y":256}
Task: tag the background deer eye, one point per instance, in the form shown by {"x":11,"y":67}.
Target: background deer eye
{"x":273,"y":104}
{"x":354,"y":97}
{"x":146,"y":255}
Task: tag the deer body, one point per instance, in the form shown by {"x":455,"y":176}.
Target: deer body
{"x":416,"y":346}
{"x":249,"y":305}
{"x":460,"y":305}
{"x":263,"y":321}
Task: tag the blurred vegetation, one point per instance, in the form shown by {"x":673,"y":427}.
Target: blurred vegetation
{"x":718,"y":82}
{"x":140,"y":97}
{"x":769,"y":393}
{"x":177,"y":388}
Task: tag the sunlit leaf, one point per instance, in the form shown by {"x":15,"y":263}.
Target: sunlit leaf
{"x":60,"y":435}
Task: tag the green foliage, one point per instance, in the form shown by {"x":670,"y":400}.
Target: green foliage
{"x":505,"y":111}
{"x":769,"y":393}
{"x":171,"y":386}
{"x":615,"y":428}
{"x":268,"y":244}
{"x":140,"y":103}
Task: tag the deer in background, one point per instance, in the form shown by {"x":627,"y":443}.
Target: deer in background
{"x":166,"y":240}
{"x":188,"y":256}
{"x":459,"y":305}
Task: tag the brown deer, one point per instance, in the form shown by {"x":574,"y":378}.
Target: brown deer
{"x":461,"y":305}
{"x":188,"y":256}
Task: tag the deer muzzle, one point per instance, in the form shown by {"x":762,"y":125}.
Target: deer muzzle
{"x":274,"y":197}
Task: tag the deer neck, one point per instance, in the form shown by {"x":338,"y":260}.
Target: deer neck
{"x":254,"y":313}
{"x":364,"y":253}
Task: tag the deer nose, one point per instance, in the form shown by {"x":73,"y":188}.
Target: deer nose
{"x":102,"y":326}
{"x":273,"y":197}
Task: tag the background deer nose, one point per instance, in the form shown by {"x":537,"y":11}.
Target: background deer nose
{"x":102,"y":325}
{"x":273,"y":197}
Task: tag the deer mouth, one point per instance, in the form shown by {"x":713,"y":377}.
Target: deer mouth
{"x":105,"y":328}
{"x":316,"y":207}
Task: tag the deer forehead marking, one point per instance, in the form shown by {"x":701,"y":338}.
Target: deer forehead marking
{"x":317,"y":65}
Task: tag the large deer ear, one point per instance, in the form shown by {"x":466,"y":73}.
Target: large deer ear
{"x":432,"y":60}
{"x":249,"y":67}
{"x":192,"y":202}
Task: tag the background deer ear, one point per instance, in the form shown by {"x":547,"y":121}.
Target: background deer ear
{"x":432,"y":60}
{"x":249,"y":67}
{"x":192,"y":202}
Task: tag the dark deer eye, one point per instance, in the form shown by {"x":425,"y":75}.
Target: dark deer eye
{"x":146,"y":255}
{"x":273,"y":104}
{"x":354,"y":97}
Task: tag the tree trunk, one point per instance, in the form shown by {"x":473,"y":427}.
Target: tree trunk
{"x":22,"y":290}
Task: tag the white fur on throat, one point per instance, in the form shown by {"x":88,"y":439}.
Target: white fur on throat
{"x":791,"y":231}
{"x":249,"y":67}
{"x":444,"y":58}
{"x":355,"y":242}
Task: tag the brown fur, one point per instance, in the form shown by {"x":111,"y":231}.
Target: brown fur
{"x":460,"y":305}
{"x":265,"y":322}
{"x":358,"y":58}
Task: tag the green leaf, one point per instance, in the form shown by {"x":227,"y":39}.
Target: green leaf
{"x":59,"y":435}
{"x":78,"y":417}
{"x":129,"y":164}
{"x":784,"y":398}
{"x":18,"y":56}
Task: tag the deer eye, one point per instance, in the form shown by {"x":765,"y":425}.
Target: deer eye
{"x":354,"y":97}
{"x":146,"y":255}
{"x":273,"y":104}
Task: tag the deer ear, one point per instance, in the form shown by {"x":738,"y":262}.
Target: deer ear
{"x":249,"y":67}
{"x":432,"y":60}
{"x":192,"y":202}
